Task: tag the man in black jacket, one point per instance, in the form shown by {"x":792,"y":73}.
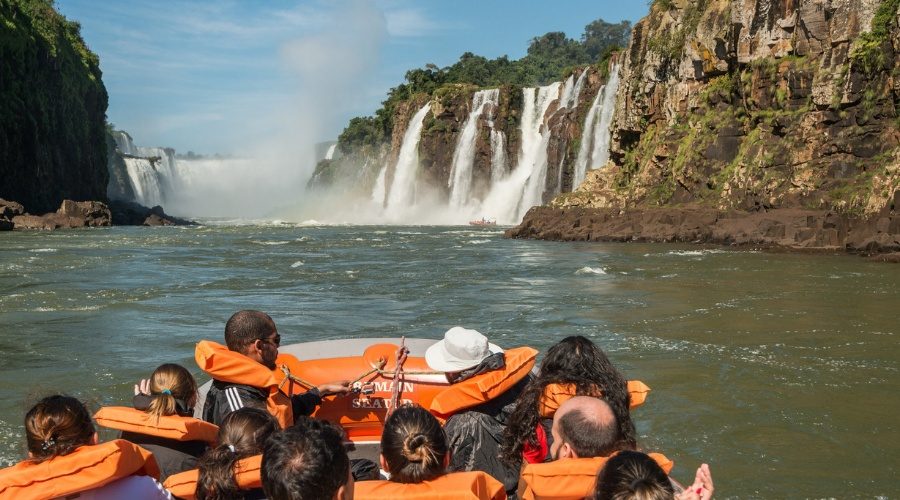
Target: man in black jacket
{"x":253,"y":334}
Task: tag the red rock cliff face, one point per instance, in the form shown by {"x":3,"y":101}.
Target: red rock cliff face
{"x":756,"y":104}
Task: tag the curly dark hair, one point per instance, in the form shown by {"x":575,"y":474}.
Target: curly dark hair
{"x":578,"y":361}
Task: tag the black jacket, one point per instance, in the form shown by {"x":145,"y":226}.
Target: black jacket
{"x":475,"y":435}
{"x":225,"y":397}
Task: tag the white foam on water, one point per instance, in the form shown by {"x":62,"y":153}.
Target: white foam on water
{"x":591,"y":270}
{"x":478,"y":242}
{"x":297,"y":264}
{"x":258,"y":242}
{"x":43,"y":250}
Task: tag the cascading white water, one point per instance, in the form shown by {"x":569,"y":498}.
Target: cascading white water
{"x":498,"y":156}
{"x":330,"y":153}
{"x":403,"y":188}
{"x":576,"y":95}
{"x":144,"y":181}
{"x":568,"y":91}
{"x":509,"y":198}
{"x":379,"y":191}
{"x":460,"y":182}
{"x":603,"y":135}
{"x":596,"y":134}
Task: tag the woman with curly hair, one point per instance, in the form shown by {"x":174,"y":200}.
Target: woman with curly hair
{"x":573,"y":367}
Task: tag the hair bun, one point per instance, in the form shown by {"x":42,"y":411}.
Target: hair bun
{"x":416,"y":448}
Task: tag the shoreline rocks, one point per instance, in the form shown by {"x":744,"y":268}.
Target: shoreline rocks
{"x":787,"y":228}
{"x":76,"y":214}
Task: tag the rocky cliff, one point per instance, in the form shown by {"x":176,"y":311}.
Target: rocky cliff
{"x":52,"y":116}
{"x":754,"y":105}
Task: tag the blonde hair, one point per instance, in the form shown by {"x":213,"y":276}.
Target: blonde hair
{"x":171,"y":382}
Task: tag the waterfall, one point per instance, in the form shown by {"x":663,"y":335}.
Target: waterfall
{"x":512,"y":196}
{"x":498,"y":156}
{"x":596,"y":134}
{"x":578,"y":86}
{"x":568,"y":92}
{"x":144,"y":181}
{"x":403,"y":188}
{"x":460,"y":182}
{"x":379,"y":191}
{"x":330,"y":153}
{"x":603,"y":135}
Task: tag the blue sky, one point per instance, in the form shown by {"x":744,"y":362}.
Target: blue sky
{"x":226,"y":76}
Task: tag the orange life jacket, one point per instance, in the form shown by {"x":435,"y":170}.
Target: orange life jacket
{"x":557,"y":394}
{"x":233,"y":367}
{"x":474,"y":485}
{"x":568,"y":478}
{"x":170,"y":427}
{"x":362,"y":415}
{"x":485,"y":387}
{"x":87,"y":468}
{"x":246,"y":476}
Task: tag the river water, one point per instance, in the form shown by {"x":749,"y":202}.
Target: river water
{"x":779,"y":370}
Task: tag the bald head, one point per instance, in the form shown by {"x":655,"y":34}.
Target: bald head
{"x":585,"y":427}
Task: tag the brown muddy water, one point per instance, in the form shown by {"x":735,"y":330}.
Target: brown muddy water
{"x":779,"y":370}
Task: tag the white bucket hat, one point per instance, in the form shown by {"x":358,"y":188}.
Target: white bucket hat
{"x":461,"y":348}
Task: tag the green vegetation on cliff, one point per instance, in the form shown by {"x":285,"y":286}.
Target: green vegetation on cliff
{"x":550,"y":57}
{"x":53,"y":111}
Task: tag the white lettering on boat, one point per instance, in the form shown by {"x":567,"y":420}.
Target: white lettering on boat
{"x":387,"y":386}
{"x":372,"y":403}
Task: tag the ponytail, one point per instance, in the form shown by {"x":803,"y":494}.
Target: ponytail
{"x":242,"y":434}
{"x":169,"y":385}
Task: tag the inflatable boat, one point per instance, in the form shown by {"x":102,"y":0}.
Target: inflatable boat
{"x":370,"y":365}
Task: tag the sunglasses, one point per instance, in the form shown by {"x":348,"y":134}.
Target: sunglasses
{"x":276,"y":340}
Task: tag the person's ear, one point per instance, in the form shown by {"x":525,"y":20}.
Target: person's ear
{"x":446,"y":459}
{"x":340,"y":493}
{"x":566,"y":451}
{"x":382,"y":462}
{"x":95,"y":439}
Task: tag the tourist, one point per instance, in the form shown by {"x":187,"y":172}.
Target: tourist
{"x":632,"y":475}
{"x":585,"y":434}
{"x":574,"y":366}
{"x":64,"y":459}
{"x":475,"y":419}
{"x":231,"y":469}
{"x":248,"y":380}
{"x":415,"y":455}
{"x":305,"y":462}
{"x":162,"y":420}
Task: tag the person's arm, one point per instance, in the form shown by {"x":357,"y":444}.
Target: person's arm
{"x":306,"y":403}
{"x":141,"y":402}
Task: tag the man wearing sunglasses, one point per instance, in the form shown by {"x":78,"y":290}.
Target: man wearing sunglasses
{"x":253,"y":334}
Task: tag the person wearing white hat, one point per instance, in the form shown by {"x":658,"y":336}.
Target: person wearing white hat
{"x":460,"y":350}
{"x":475,"y":433}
